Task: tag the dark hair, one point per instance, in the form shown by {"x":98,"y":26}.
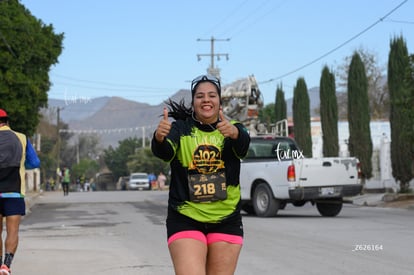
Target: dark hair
{"x":178,"y":110}
{"x":4,"y":119}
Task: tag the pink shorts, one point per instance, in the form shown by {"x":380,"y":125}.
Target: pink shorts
{"x":207,"y":239}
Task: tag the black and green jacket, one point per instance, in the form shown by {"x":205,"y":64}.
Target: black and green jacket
{"x":190,"y":148}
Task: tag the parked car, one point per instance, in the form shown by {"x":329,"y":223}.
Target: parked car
{"x":138,"y":181}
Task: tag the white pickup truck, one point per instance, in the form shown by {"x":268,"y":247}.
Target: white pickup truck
{"x":275,"y":173}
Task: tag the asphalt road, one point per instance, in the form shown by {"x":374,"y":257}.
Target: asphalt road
{"x":123,"y":232}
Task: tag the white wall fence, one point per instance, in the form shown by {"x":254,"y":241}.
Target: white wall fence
{"x":381,"y":158}
{"x":33,"y":180}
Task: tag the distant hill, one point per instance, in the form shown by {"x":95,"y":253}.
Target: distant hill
{"x":114,"y":118}
{"x":313,"y":99}
{"x":77,"y":109}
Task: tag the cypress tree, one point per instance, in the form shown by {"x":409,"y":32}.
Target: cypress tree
{"x":329,"y":114}
{"x":280,"y":105}
{"x":410,"y":101}
{"x":360,"y":143}
{"x":401,"y":108}
{"x":301,"y":117}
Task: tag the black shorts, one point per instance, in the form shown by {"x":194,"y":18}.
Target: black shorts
{"x":177,"y":222}
{"x":12,"y":206}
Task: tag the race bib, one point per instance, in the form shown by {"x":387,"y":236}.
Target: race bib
{"x":207,"y":187}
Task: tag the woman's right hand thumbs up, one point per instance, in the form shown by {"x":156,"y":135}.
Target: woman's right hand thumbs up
{"x":163,"y":128}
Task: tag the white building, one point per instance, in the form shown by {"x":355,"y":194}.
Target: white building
{"x":381,"y":158}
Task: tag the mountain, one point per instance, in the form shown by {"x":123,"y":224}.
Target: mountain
{"x":77,"y":109}
{"x":314,"y":101}
{"x":114,"y":118}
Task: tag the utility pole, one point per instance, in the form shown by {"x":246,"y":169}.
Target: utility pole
{"x":143,"y":136}
{"x":58,"y":147}
{"x":212,"y":70}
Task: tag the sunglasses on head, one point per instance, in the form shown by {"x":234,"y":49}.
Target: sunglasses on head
{"x":203,"y":78}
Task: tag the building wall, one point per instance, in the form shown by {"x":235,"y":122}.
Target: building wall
{"x":33,"y":180}
{"x":381,"y":157}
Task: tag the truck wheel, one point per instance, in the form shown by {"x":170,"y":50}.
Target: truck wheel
{"x":264,"y":204}
{"x":329,"y":208}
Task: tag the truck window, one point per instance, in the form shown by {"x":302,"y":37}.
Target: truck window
{"x":282,"y":150}
{"x":260,"y":150}
{"x":271,"y":149}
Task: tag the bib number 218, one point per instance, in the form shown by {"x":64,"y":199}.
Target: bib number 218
{"x":207,"y":188}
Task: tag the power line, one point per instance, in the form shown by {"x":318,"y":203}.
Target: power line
{"x":129,"y":86}
{"x":108,"y":130}
{"x":134,"y":91}
{"x":338,"y":47}
{"x":245,"y":18}
{"x":221,"y":23}
{"x":120,"y":89}
{"x":252,"y":17}
{"x":400,"y":21}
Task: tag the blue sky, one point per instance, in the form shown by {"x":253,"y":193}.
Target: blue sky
{"x":147,"y":50}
